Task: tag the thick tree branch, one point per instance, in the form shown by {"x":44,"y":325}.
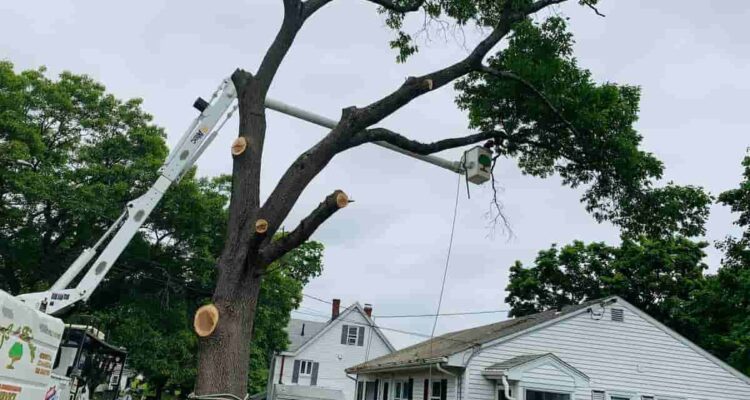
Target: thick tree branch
{"x":510,"y":75}
{"x":354,"y":120}
{"x":593,"y":7}
{"x":396,"y":139}
{"x":295,"y":14}
{"x":399,"y":6}
{"x":415,"y":87}
{"x":276,"y":249}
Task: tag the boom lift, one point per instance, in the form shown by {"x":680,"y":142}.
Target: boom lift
{"x":34,"y":364}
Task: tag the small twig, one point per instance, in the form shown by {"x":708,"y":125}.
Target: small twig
{"x":593,"y":7}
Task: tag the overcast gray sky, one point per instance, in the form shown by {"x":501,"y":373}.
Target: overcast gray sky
{"x":691,"y":58}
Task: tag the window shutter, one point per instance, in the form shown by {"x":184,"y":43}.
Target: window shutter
{"x":377,"y":387}
{"x":360,"y":388}
{"x":426,"y":392}
{"x":295,"y":372}
{"x":443,"y":389}
{"x":385,"y":390}
{"x":344,"y":330}
{"x":314,"y":377}
{"x":361,"y":336}
{"x":598,"y":395}
{"x":411,"y":389}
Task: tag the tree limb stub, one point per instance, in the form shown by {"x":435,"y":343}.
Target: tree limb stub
{"x":332,"y":203}
{"x":261,"y":226}
{"x":206,"y":319}
{"x":239,"y":145}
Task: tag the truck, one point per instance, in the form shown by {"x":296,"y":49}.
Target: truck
{"x":41,"y":357}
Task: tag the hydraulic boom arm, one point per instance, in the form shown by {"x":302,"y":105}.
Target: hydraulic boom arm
{"x":192,"y":144}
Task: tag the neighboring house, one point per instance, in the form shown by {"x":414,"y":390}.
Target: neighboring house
{"x":319,"y":353}
{"x":601,"y":350}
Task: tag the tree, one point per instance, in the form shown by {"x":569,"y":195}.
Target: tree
{"x":718,"y":312}
{"x":656,"y":275}
{"x":530,"y":99}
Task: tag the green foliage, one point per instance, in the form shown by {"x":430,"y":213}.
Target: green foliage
{"x":71,"y":156}
{"x":476,"y":13}
{"x":663,"y":276}
{"x":600,"y":153}
{"x":654,"y":275}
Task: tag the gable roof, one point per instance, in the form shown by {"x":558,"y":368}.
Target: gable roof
{"x":515,"y":367}
{"x":300,"y":331}
{"x":488,"y":335}
{"x":325,"y":326}
{"x":451,"y":343}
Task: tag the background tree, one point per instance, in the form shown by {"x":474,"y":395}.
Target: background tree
{"x":529,"y":97}
{"x":661,"y":275}
{"x":71,"y":156}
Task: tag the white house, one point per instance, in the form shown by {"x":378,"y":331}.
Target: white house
{"x":602,"y":350}
{"x":314,"y":364}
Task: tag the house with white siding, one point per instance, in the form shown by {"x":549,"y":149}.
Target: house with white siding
{"x":313,"y":366}
{"x":601,"y":350}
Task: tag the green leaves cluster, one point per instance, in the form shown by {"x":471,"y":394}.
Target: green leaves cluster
{"x":663,"y":275}
{"x":587,"y":136}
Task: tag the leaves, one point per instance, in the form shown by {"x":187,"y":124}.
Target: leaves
{"x":601,"y":153}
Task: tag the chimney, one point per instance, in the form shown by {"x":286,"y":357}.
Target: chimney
{"x":335,"y":306}
{"x":368,"y":309}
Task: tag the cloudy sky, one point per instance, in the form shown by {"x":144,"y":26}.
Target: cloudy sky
{"x":691,"y":59}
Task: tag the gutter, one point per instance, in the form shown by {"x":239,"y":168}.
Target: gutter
{"x":399,"y":367}
{"x":506,"y":389}
{"x":439,"y":368}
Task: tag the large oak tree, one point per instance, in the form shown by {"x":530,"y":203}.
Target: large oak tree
{"x":524,"y":91}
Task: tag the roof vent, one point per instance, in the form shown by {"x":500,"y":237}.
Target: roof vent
{"x":618,"y":315}
{"x":598,"y":395}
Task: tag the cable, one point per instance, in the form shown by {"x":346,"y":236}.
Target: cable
{"x":444,"y":314}
{"x":317,"y":298}
{"x":442,"y":286}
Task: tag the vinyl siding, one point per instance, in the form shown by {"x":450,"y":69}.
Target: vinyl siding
{"x":334,"y":357}
{"x":631,"y":357}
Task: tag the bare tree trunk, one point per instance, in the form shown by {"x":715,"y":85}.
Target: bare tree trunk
{"x":223,"y":357}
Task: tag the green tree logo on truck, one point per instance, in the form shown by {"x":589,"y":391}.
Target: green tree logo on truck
{"x":15,"y":353}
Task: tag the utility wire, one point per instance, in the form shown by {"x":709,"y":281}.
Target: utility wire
{"x":444,"y":314}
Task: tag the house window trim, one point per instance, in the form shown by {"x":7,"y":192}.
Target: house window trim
{"x":404,"y":383}
{"x":622,"y":395}
{"x":432,"y":390}
{"x":349,"y":335}
{"x":303,"y":366}
{"x":522,"y":388}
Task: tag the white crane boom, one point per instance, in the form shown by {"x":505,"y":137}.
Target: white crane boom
{"x":198,"y":136}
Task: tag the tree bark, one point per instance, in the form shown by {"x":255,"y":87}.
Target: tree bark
{"x":223,"y":356}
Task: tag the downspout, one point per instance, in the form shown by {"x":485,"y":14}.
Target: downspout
{"x":439,"y":368}
{"x":281,"y":372}
{"x":506,"y":389}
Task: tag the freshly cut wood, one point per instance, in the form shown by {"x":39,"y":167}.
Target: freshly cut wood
{"x":239,"y":146}
{"x":206,"y":319}
{"x":261,"y":226}
{"x":342,"y":200}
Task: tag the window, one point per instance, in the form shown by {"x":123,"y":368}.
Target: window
{"x":400,"y":390}
{"x":539,"y":395}
{"x":305,"y":367}
{"x":437,"y":392}
{"x":352,"y":335}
